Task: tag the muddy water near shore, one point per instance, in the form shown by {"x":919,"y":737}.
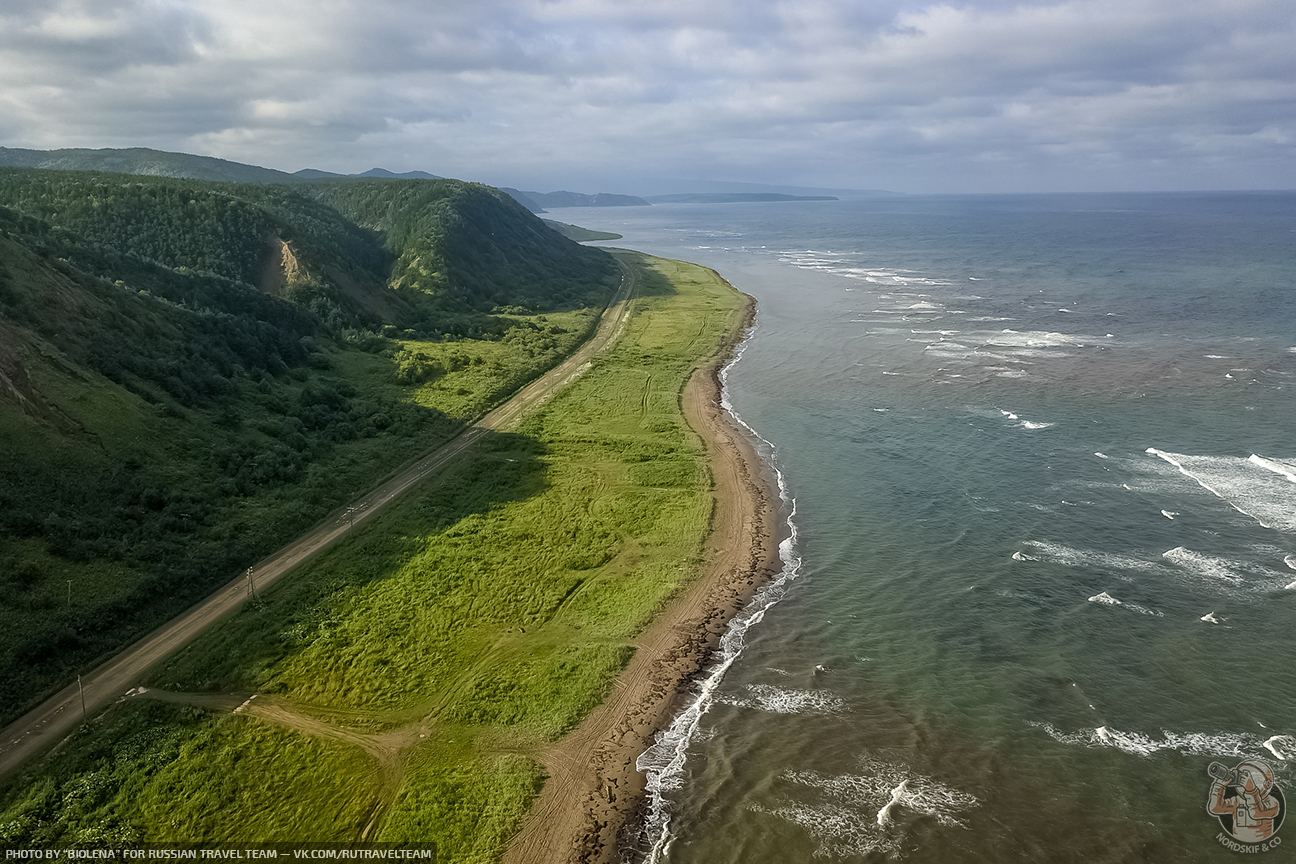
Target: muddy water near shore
{"x":1042,"y":455}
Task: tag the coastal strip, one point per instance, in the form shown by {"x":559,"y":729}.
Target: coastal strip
{"x":594,"y":803}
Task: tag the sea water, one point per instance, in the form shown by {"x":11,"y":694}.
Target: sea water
{"x":1042,"y":453}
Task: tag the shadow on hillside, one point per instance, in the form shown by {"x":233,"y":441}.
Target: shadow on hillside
{"x":244,"y":652}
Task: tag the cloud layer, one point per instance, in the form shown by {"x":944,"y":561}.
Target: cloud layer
{"x":982,"y":96}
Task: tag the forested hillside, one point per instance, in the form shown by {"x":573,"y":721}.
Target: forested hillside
{"x":192,"y":373}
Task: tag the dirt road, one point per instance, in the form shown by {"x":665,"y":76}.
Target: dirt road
{"x":52,"y":720}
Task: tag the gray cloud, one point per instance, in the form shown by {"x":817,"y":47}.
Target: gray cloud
{"x":1085,"y":94}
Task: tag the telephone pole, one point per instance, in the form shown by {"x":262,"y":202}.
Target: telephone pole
{"x":81,"y":690}
{"x":251,"y":584}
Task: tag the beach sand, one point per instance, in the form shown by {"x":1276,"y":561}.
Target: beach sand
{"x":593,"y":804}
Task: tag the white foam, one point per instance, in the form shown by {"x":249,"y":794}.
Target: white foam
{"x":1276,"y":467}
{"x":1282,"y":746}
{"x":1238,"y":746}
{"x":1251,"y":488}
{"x":1036,"y":339}
{"x":884,"y":815}
{"x":1027,"y":424}
{"x":1108,"y":600}
{"x":1290,"y":561}
{"x":854,"y":815}
{"x":1058,"y":554}
{"x":1210,"y":618}
{"x":664,"y":761}
{"x":1225,"y":574}
{"x":779,"y":700}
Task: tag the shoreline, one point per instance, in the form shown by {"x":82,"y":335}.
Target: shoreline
{"x":594,"y":803}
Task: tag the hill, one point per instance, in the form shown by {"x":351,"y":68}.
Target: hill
{"x":160,"y":163}
{"x":193,"y":373}
{"x":141,"y":160}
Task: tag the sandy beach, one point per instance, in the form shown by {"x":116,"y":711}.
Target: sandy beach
{"x":593,"y":802}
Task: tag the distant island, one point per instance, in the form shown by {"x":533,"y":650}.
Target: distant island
{"x":734,"y":198}
{"x":536,"y":202}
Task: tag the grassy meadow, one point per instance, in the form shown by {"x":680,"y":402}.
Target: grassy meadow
{"x":417,"y":667}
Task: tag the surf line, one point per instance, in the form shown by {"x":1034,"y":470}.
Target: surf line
{"x":663,"y":762}
{"x":1161,"y":454}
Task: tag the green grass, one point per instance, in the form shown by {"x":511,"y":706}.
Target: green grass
{"x":120,"y":782}
{"x":493,"y":607}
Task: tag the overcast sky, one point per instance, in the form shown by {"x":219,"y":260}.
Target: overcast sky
{"x":614,"y":95}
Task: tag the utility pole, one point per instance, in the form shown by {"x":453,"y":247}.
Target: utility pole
{"x":350,"y":517}
{"x":81,"y":690}
{"x":251,"y":584}
{"x":69,"y":593}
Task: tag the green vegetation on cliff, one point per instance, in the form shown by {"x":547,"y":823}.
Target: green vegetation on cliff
{"x":193,"y":373}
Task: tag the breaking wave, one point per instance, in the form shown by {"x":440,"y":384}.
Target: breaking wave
{"x":861,"y":813}
{"x":1235,"y":745}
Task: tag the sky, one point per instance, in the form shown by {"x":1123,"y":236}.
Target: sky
{"x":650,"y":95}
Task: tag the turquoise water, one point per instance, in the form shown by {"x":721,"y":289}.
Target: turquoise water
{"x":1043,"y":460}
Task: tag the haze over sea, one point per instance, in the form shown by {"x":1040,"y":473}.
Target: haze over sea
{"x":1043,"y":459}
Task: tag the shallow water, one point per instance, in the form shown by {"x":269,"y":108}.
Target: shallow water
{"x":1043,"y":461}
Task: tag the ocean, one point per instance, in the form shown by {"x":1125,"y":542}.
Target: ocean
{"x":1042,"y":456}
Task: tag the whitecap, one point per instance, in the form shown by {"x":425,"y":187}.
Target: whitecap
{"x":1057,"y":553}
{"x":1282,"y":746}
{"x":1238,"y":746}
{"x":1108,"y":600}
{"x":1290,"y":561}
{"x":1275,"y":466}
{"x":1210,"y":618}
{"x":1225,"y":574}
{"x":853,"y":815}
{"x":1009,"y":338}
{"x":1251,"y":488}
{"x":780,"y":700}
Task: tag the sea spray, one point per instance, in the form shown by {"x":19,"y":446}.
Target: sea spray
{"x":663,"y":762}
